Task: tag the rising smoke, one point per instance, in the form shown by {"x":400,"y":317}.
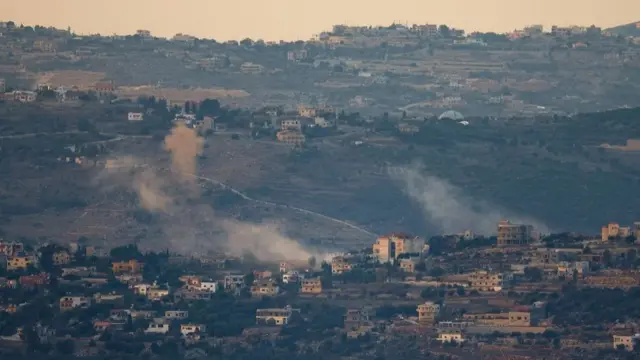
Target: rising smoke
{"x":185,"y":145}
{"x":449,"y":210}
{"x":192,"y":227}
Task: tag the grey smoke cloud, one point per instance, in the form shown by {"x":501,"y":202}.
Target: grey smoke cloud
{"x":449,"y":210}
{"x":193,"y":228}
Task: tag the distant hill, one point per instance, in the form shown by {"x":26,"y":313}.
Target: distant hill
{"x":632,"y":29}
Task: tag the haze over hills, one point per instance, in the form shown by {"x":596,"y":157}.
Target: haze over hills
{"x":632,"y":29}
{"x":376,"y":156}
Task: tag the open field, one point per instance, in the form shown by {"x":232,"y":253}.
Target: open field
{"x":83,"y":80}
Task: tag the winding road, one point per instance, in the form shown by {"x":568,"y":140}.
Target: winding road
{"x":269,"y":203}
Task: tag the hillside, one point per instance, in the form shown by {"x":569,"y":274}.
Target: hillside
{"x":551,"y":172}
{"x":632,"y":29}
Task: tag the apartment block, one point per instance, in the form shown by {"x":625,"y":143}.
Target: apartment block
{"x":291,"y":137}
{"x":340,"y":265}
{"x":428,"y":312}
{"x":265,"y":288}
{"x":130,"y":267}
{"x":274,"y":316}
{"x":311,"y":286}
{"x":387,"y":248}
{"x":355,"y":318}
{"x":485,"y":281}
{"x":513,"y":234}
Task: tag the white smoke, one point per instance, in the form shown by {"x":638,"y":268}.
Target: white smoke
{"x":449,"y":210}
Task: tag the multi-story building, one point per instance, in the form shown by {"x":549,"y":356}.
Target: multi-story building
{"x":426,"y":30}
{"x":487,"y":282}
{"x":614,"y":230}
{"x":613,"y":279}
{"x":513,"y":234}
{"x":155,"y":294}
{"x":355,"y":318}
{"x":44,"y":45}
{"x":340,"y":265}
{"x":131,"y":267}
{"x":265,"y":288}
{"x":387,"y":248}
{"x":274,"y":316}
{"x":11,"y":248}
{"x":636,"y":230}
{"x":451,"y":336}
{"x":3,"y":86}
{"x":155,"y":328}
{"x":291,"y":124}
{"x":626,"y":342}
{"x":311,"y":286}
{"x":559,"y":31}
{"x":61,"y":258}
{"x":234,"y":281}
{"x":291,"y":137}
{"x":141,"y":289}
{"x":176,"y":314}
{"x":409,"y":265}
{"x":428,"y":312}
{"x":74,"y":302}
{"x":21,"y":261}
{"x":251,"y":68}
{"x":186,"y":329}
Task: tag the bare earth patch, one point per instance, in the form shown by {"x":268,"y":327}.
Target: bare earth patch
{"x":83,"y":80}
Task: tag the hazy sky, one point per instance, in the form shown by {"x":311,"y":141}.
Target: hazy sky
{"x":299,"y":19}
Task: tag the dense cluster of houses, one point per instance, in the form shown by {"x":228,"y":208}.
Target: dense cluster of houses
{"x":459,"y":296}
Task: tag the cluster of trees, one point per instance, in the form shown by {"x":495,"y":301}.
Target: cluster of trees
{"x":592,"y":306}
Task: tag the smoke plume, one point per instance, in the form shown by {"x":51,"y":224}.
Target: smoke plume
{"x":149,"y":188}
{"x":192,"y":227}
{"x":449,"y":210}
{"x":185,"y":145}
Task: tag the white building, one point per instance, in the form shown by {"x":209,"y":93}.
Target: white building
{"x":234,"y":282}
{"x":208,"y":286}
{"x":628,"y":342}
{"x":135,"y":116}
{"x":157,"y":329}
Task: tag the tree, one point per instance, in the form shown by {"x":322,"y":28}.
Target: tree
{"x":444,"y":31}
{"x":606,"y":258}
{"x":209,"y":107}
{"x":312,"y":262}
{"x":65,"y":347}
{"x":533,"y":274}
